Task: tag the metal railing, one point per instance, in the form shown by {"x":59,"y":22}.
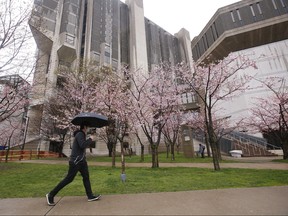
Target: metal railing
{"x":252,"y":140}
{"x":26,"y":154}
{"x":248,"y":142}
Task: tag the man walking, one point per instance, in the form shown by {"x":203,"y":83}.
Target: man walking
{"x":77,"y":163}
{"x":201,"y":150}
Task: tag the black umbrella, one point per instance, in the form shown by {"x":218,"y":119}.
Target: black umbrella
{"x":92,"y":119}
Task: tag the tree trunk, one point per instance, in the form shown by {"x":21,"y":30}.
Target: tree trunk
{"x":214,"y":148}
{"x":7,"y":154}
{"x":114,"y":156}
{"x":218,"y":151}
{"x":60,"y":153}
{"x":8,"y":149}
{"x":215,"y":157}
{"x":155,"y":161}
{"x":142,"y":152}
{"x":285,"y":150}
{"x":122,"y":159}
{"x":167,"y":151}
{"x":112,"y":140}
{"x":207,"y":144}
{"x":172,"y":152}
{"x":110,"y":148}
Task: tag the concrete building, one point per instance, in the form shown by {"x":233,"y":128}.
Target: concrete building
{"x":113,"y":33}
{"x":251,"y":26}
{"x":107,"y":32}
{"x":240,"y":26}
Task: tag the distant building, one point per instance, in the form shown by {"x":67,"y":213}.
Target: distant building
{"x":13,"y":110}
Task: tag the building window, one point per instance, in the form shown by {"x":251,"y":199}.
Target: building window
{"x":70,"y":39}
{"x":206,"y":40}
{"x":283,"y":4}
{"x":259,"y":7}
{"x":239,"y":15}
{"x":204,"y":43}
{"x":232,"y":16}
{"x":39,"y":2}
{"x":214,"y":39}
{"x":198,"y":50}
{"x":275,"y":7}
{"x":274,"y":4}
{"x":215,"y":30}
{"x":188,"y":97}
{"x":107,"y":54}
{"x":252,"y":10}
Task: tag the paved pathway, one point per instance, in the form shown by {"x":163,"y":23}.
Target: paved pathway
{"x":250,"y":163}
{"x":244,"y":201}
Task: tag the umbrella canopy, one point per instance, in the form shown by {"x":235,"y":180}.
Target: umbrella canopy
{"x":92,"y":119}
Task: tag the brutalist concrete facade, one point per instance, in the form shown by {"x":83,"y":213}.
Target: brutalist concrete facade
{"x":240,"y":26}
{"x":108,"y":32}
{"x":255,"y":27}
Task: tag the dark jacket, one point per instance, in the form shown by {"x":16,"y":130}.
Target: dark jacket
{"x":79,"y":147}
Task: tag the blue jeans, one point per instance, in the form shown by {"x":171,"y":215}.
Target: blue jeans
{"x":82,"y":167}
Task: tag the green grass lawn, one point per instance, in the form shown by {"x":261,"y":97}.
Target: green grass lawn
{"x":179,"y":158}
{"x":35,"y":180}
{"x":280,"y":160}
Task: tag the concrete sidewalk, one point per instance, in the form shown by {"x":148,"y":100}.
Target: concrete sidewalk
{"x":245,"y":201}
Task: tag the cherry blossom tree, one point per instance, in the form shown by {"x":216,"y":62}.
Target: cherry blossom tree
{"x":74,"y":94}
{"x":13,"y":106}
{"x":213,"y":83}
{"x":154,"y":97}
{"x":222,"y":126}
{"x":171,"y":131}
{"x":113,"y":101}
{"x":12,"y":132}
{"x":13,"y":96}
{"x":136,"y":131}
{"x":55,"y":126}
{"x":270,"y":114}
{"x":91,"y":89}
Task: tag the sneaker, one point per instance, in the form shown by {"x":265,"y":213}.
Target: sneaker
{"x":93,"y":198}
{"x":50,"y":200}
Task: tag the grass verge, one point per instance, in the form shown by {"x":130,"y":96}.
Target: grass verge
{"x":35,"y":180}
{"x":179,"y":158}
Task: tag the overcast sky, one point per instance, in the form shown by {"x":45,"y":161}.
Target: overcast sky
{"x":193,"y":15}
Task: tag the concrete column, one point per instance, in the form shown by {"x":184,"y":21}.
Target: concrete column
{"x":138,"y":47}
{"x":184,"y":37}
{"x":89,"y":24}
{"x":187,"y":142}
{"x":53,"y":65}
